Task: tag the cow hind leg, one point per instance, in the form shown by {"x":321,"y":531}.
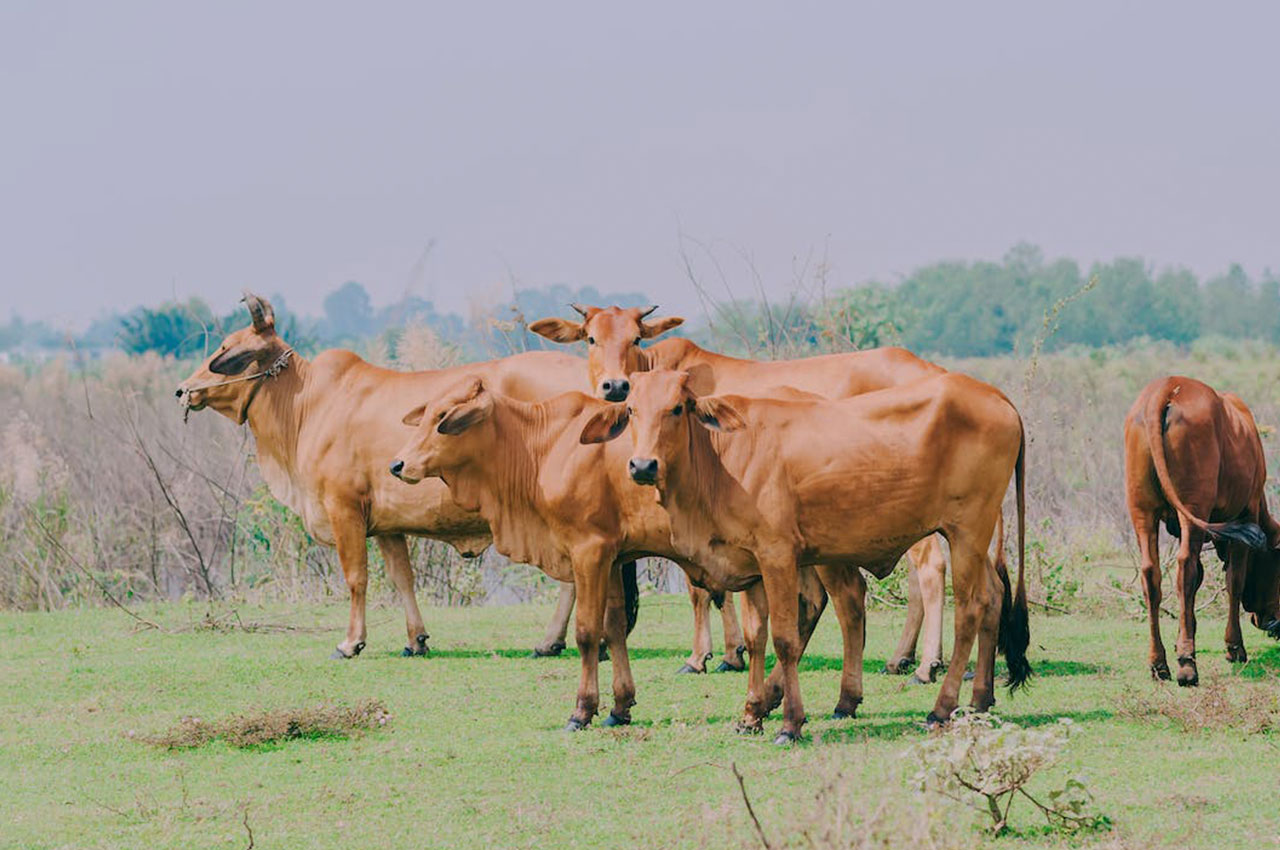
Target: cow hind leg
{"x":971,"y":582}
{"x":932,"y":572}
{"x":616,"y":619}
{"x":701,"y":653}
{"x":1148,"y":533}
{"x":755,"y":634}
{"x":553,"y":639}
{"x":1190,"y":575}
{"x":904,"y":656}
{"x":395,"y":553}
{"x":353,"y":553}
{"x":734,"y":647}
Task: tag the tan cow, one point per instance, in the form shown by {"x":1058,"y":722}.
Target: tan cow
{"x":1193,"y":459}
{"x":325,"y":429}
{"x":763,"y":486}
{"x":570,"y":508}
{"x":614,"y":336}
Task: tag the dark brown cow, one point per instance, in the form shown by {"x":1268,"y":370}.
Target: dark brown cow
{"x":324,"y":430}
{"x":1193,"y":459}
{"x":764,"y":486}
{"x":571,"y":509}
{"x":614,"y":336}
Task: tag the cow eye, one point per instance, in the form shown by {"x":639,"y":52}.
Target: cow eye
{"x":591,"y":340}
{"x":676,"y":411}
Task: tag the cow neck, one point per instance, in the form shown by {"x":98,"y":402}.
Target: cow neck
{"x":701,"y":483}
{"x":276,"y":414}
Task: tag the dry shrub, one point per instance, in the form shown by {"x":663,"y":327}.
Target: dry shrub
{"x":275,"y":725}
{"x":1243,"y":706}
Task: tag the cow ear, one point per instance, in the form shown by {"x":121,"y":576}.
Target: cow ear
{"x":718,"y":414}
{"x":649,"y":330}
{"x":414,"y":417}
{"x":462,"y":416}
{"x":607,"y":423}
{"x":559,"y":330}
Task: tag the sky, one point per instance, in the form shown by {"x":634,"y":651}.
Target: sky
{"x":452,"y":151}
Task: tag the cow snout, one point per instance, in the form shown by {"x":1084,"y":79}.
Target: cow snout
{"x":615,"y":389}
{"x":397,"y":467}
{"x":644,"y":470}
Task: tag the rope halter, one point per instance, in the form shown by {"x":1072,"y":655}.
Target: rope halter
{"x":276,"y":367}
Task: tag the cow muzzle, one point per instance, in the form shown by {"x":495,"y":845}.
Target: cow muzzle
{"x":643,"y":470}
{"x":615,"y":389}
{"x":403,"y":472}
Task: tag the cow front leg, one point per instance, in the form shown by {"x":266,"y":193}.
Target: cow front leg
{"x":553,"y":638}
{"x":615,"y":632}
{"x":700,"y":601}
{"x":1238,"y":558}
{"x":353,"y":553}
{"x":782,"y":587}
{"x":811,"y":601}
{"x":848,"y":591}
{"x":395,"y":554}
{"x":591,"y":576}
{"x":1190,"y":575}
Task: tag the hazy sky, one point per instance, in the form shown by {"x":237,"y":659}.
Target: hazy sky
{"x":153,"y":149}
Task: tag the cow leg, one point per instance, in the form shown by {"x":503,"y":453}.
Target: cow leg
{"x":553,"y":639}
{"x":811,"y":601}
{"x":1148,"y":532}
{"x":848,"y":592}
{"x":591,"y":570}
{"x":701,"y":601}
{"x":984,"y":674}
{"x":615,"y":632}
{"x":395,"y":553}
{"x":1238,"y":557}
{"x":781,"y":584}
{"x":733,"y":645}
{"x":972,"y":586}
{"x":931,"y":572}
{"x":905,"y":655}
{"x":755,"y":634}
{"x":1190,"y":574}
{"x":353,"y":554}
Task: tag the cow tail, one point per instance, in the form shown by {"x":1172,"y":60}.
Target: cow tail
{"x":1015,"y":619}
{"x":1248,"y":533}
{"x":631,"y":594}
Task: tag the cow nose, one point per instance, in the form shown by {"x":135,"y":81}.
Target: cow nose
{"x":616,"y":390}
{"x":178,"y":393}
{"x":643,"y":470}
{"x":397,"y":467}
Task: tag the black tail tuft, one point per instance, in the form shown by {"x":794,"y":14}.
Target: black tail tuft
{"x":717,"y":599}
{"x":1248,"y":533}
{"x":631,"y":594}
{"x":1015,"y":638}
{"x":1006,"y":607}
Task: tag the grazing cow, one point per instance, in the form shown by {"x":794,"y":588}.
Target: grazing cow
{"x":613,"y":336}
{"x":324,"y":430}
{"x":764,"y":486}
{"x":1193,"y":458}
{"x":558,"y":500}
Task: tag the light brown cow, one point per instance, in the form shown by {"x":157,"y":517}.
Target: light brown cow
{"x":1192,"y":453}
{"x":325,"y":429}
{"x":763,"y":486}
{"x":614,"y":336}
{"x":571,"y":509}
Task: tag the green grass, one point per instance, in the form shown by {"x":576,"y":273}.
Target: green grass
{"x":474,"y":755}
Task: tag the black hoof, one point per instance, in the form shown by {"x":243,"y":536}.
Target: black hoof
{"x":726,"y":667}
{"x":968,"y":676}
{"x":615,"y":720}
{"x":603,"y":654}
{"x":899,"y":667}
{"x":339,"y":655}
{"x":841,"y":714}
{"x":1236,"y":654}
{"x":407,"y":652}
{"x":916,"y":680}
{"x":748,"y":728}
{"x":1160,"y":672}
{"x":688,"y":668}
{"x":575,"y":725}
{"x":785,"y":739}
{"x":933,"y":721}
{"x":550,"y":652}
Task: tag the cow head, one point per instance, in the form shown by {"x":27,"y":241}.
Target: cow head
{"x":613,"y":336}
{"x":245,"y":352}
{"x":448,"y":433}
{"x":660,"y":410}
{"x":1261,"y":594}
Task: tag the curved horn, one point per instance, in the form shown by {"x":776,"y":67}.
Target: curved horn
{"x":645,"y":311}
{"x":575,"y":305}
{"x":264,"y":318}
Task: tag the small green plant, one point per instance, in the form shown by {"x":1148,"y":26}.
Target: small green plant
{"x":987,"y":763}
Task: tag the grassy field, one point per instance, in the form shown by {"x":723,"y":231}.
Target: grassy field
{"x":474,"y":755}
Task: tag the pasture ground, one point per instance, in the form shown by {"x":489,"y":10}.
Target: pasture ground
{"x":474,"y":755}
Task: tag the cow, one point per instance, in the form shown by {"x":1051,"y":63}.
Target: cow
{"x":324,"y":429}
{"x":765,"y":486}
{"x":1193,"y":459}
{"x":555,"y":498}
{"x":614,"y":337}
